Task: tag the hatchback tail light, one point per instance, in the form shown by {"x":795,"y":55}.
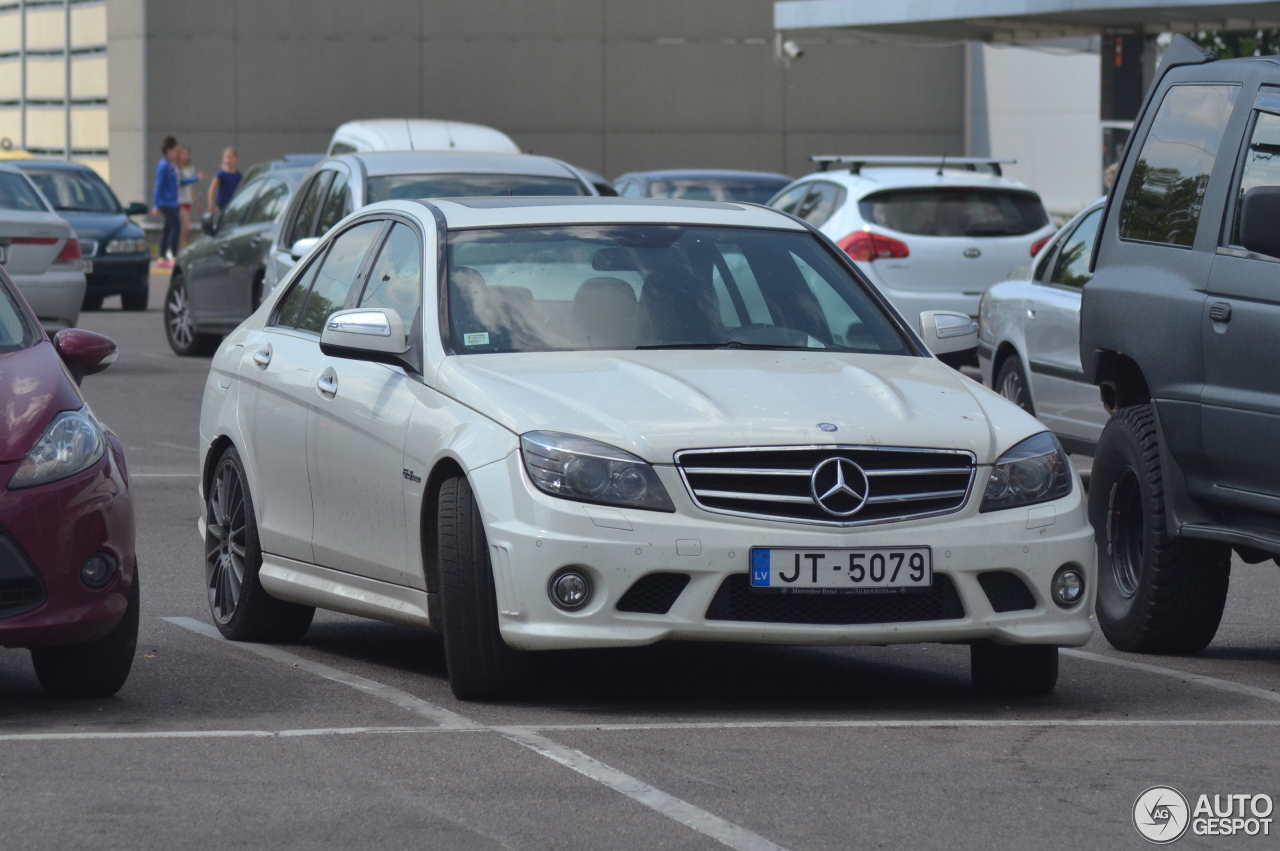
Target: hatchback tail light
{"x":1038,"y":244}
{"x":70,"y":252}
{"x":867,"y":246}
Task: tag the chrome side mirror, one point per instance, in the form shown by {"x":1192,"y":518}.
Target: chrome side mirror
{"x":946,"y":332}
{"x":364,"y":333}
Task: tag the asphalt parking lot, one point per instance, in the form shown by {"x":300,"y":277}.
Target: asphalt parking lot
{"x":352,"y":738}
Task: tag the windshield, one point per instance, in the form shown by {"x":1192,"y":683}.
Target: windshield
{"x":404,"y":187}
{"x":75,"y":190}
{"x":755,"y":190}
{"x":656,"y":287}
{"x":15,"y":332}
{"x":955,"y":211}
{"x":16,"y":194}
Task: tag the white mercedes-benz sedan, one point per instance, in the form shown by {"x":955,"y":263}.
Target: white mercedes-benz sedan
{"x":545,"y":423}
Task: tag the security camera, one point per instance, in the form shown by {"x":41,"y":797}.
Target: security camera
{"x":785,"y":52}
{"x":791,"y":51}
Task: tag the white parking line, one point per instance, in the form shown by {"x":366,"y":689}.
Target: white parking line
{"x":164,"y":475}
{"x":725,"y":832}
{"x":1198,"y":679}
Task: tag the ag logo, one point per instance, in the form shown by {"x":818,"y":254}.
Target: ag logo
{"x":1161,"y":815}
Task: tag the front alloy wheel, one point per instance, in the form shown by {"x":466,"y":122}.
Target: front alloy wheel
{"x":179,"y":324}
{"x":225,"y":542}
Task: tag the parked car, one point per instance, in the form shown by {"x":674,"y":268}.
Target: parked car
{"x":218,"y":279}
{"x":40,"y":251}
{"x":536,"y":424}
{"x":931,"y":233}
{"x":67,"y":563}
{"x":1180,"y":328}
{"x":302,"y":161}
{"x":418,"y":134}
{"x":603,"y":187}
{"x":1029,"y":337}
{"x":117,"y":258}
{"x":702,"y":185}
{"x":341,"y":184}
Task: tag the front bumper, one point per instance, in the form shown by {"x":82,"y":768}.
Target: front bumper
{"x":532,"y":535}
{"x":118,"y":273}
{"x":56,"y":527}
{"x":55,"y":296}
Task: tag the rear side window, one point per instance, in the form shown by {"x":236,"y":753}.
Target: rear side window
{"x":16,"y":194}
{"x":1166,"y":192}
{"x":955,"y":211}
{"x":788,"y":201}
{"x":1261,"y":164}
{"x":1071,"y":268}
{"x":822,"y":201}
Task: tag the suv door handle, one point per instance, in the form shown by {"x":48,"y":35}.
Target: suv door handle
{"x":328,"y":384}
{"x":1031,"y":314}
{"x":262,"y":357}
{"x":1220,"y":312}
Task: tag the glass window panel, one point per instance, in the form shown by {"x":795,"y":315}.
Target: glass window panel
{"x":336,"y":205}
{"x":337,"y":274}
{"x":395,"y":282}
{"x":1071,"y":269}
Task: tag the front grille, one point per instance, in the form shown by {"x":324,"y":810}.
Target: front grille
{"x":21,"y":590}
{"x":1006,"y":591}
{"x":735,"y":601}
{"x":776,"y":482}
{"x":88,"y":247}
{"x":653,"y":594}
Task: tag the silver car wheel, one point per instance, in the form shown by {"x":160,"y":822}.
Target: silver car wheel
{"x":1014,"y":388}
{"x":179,"y":317}
{"x":225,"y":541}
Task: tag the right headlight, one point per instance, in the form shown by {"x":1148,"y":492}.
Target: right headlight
{"x":126,"y":246}
{"x":1036,"y":470}
{"x":585,"y":470}
{"x":73,"y":442}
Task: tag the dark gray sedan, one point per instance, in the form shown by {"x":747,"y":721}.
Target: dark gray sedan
{"x":217,"y":280}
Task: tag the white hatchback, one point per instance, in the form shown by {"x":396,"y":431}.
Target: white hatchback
{"x":545,"y":423}
{"x":931,"y":232}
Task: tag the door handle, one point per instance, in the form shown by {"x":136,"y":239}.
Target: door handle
{"x":1031,"y":314}
{"x":1220,"y":312}
{"x":262,"y":357}
{"x":328,"y":385}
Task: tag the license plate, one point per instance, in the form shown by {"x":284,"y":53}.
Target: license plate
{"x":88,"y":267}
{"x":866,"y":570}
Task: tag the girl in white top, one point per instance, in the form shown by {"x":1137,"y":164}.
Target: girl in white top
{"x":186,"y":197}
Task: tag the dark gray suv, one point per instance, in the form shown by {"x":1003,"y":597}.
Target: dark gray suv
{"x":1180,"y":328}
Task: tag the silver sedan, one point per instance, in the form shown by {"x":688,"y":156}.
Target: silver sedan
{"x":39,"y":251}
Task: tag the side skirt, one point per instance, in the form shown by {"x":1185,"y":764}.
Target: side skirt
{"x":312,"y":585}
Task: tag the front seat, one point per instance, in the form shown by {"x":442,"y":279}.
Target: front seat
{"x":604,"y":313}
{"x":675,"y":307}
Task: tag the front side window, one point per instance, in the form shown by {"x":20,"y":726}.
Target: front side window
{"x":310,"y":206}
{"x":1163,"y":199}
{"x":15,"y":331}
{"x":337,"y":275}
{"x":16,"y":194}
{"x":75,"y":190}
{"x":630,"y":189}
{"x":656,"y":287}
{"x":1071,"y":268}
{"x":271,"y":200}
{"x":395,"y":281}
{"x":408,"y":187}
{"x":238,"y":210}
{"x":969,"y":211}
{"x":336,"y":205}
{"x":1261,"y":163}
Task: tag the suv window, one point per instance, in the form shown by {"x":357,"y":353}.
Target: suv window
{"x":395,"y":282}
{"x":302,"y":222}
{"x":271,"y":200}
{"x":1071,"y":268}
{"x":1261,"y":163}
{"x":823,"y":199}
{"x":337,"y":274}
{"x":238,"y":210}
{"x":789,"y":200}
{"x":336,"y":205}
{"x":955,"y":211}
{"x":1163,"y":199}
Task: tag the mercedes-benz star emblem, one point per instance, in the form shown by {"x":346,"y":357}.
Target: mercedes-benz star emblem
{"x":839,"y":487}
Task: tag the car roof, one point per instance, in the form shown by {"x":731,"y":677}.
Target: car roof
{"x":570,"y":210}
{"x":705,"y":174}
{"x":874,"y":179}
{"x":377,"y":163}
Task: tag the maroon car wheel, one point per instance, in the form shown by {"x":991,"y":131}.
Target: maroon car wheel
{"x":93,"y":668}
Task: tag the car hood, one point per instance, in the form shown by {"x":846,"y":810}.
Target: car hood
{"x":655,"y":403}
{"x":33,"y":388}
{"x":100,"y":226}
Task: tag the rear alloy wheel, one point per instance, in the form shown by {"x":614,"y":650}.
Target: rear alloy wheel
{"x":1011,"y":383}
{"x":136,"y":300}
{"x":1156,"y":593}
{"x":241,"y":608}
{"x":95,"y":668}
{"x":179,"y":325}
{"x":1013,"y":669}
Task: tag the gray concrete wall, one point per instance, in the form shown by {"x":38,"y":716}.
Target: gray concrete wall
{"x":612,"y":85}
{"x":126,"y":100}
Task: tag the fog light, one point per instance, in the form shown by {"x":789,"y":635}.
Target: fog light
{"x":97,"y":570}
{"x":570,"y":589}
{"x":1068,"y":587}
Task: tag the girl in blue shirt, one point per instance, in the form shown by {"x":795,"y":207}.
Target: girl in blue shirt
{"x":164,"y":200}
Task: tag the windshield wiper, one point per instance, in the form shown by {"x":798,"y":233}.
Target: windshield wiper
{"x":734,"y":344}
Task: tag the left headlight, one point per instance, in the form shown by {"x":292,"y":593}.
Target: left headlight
{"x":585,"y":470}
{"x":126,"y":246}
{"x":73,"y":442}
{"x":1036,"y":470}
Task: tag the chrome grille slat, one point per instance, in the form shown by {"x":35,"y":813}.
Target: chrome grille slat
{"x":774,"y":482}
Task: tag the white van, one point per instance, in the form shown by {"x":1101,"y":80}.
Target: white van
{"x":418,"y":134}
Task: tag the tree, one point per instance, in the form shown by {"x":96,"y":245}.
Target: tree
{"x":1231,"y":44}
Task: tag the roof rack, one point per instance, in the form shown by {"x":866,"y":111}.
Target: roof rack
{"x":856,"y":163}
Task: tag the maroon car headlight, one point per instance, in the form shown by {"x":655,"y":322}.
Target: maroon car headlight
{"x":73,"y":442}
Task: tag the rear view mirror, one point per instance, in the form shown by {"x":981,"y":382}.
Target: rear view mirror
{"x":614,"y":259}
{"x":84,"y":352}
{"x":1259,"y":213}
{"x":137,"y":208}
{"x":946,"y":333}
{"x":302,"y":246}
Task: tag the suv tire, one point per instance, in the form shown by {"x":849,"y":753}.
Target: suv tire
{"x":1156,"y":593}
{"x":94,"y":668}
{"x":481,"y":665}
{"x":1013,"y":669}
{"x":241,"y":608}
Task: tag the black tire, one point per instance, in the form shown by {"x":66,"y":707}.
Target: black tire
{"x":481,"y":665}
{"x":95,"y":668}
{"x":1156,"y":593}
{"x":241,"y":608}
{"x":1018,"y":669}
{"x":1011,"y":383}
{"x":179,"y":326}
{"x":92,"y":302}
{"x":137,"y":300}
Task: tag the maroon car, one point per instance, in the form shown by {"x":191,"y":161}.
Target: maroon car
{"x":68,"y":573}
